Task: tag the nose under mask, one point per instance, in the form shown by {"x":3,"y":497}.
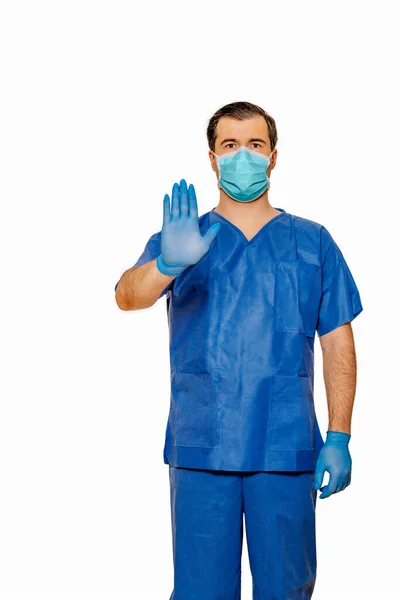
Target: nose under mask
{"x":243,"y":173}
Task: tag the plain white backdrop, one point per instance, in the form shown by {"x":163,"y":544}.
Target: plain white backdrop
{"x":104,"y":105}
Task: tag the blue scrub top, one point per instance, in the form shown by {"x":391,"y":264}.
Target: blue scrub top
{"x":242,"y":325}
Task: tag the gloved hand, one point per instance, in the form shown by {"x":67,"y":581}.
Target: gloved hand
{"x":335,"y":458}
{"x":181,"y":242}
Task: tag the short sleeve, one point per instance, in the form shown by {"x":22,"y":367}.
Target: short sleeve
{"x":151,"y":250}
{"x":340,"y":299}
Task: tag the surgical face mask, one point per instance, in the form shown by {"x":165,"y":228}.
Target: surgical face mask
{"x":243,"y":173}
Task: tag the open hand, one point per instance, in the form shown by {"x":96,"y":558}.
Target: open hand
{"x":181,"y":241}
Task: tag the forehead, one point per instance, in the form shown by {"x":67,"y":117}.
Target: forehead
{"x":256,"y":127}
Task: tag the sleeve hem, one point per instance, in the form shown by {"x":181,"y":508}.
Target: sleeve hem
{"x":329,"y":328}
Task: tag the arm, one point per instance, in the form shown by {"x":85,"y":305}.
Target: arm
{"x":140,"y":287}
{"x":340,"y":371}
{"x":340,"y":304}
{"x":339,"y":367}
{"x":167,"y":255}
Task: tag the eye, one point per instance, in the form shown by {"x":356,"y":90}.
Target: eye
{"x":230,"y":144}
{"x":257,"y":144}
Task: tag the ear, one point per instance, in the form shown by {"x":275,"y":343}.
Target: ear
{"x":213,"y":161}
{"x":273,"y":159}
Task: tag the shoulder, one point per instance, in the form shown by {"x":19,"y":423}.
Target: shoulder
{"x":204,"y":221}
{"x":307,"y":230}
{"x":312,"y":228}
{"x":307,"y":225}
{"x":205,"y":217}
{"x":312,"y":236}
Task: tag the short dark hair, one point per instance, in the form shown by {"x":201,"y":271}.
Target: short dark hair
{"x":240,"y":111}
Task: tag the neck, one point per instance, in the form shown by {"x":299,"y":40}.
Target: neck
{"x":257,"y":211}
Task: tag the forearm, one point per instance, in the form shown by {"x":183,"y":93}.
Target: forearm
{"x":340,"y":373}
{"x":140,"y":287}
{"x":180,"y":245}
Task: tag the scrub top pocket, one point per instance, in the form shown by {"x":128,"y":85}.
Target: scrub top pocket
{"x":193,"y":410}
{"x":297,"y":296}
{"x":291,"y":414}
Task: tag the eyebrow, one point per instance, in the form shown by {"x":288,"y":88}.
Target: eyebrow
{"x":250,"y":140}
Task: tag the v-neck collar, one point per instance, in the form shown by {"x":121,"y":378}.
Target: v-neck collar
{"x":247,"y":240}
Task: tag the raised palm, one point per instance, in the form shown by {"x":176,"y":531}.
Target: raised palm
{"x":181,"y":241}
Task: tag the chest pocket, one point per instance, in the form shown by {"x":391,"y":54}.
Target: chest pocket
{"x":297,"y":296}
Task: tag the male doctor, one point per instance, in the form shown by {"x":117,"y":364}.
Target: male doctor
{"x":247,"y":285}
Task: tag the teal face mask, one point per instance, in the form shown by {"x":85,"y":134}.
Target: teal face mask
{"x":243,"y":173}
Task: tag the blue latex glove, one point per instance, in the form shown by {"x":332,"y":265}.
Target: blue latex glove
{"x":335,"y":458}
{"x":181,"y":242}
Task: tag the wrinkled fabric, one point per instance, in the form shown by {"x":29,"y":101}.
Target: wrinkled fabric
{"x":207,"y":509}
{"x":242,"y":327}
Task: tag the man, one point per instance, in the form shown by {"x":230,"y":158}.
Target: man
{"x":247,"y":286}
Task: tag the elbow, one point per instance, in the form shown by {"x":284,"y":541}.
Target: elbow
{"x":121,"y":303}
{"x":133,"y":303}
{"x":122,"y":306}
{"x":120,"y":298}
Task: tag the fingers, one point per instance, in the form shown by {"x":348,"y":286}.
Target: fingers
{"x":192,"y":202}
{"x":346,"y":482}
{"x":175,"y":201}
{"x":318,"y":477}
{"x":332,"y":486}
{"x":337,"y":483}
{"x":184,"y":198}
{"x":183,"y":203}
{"x":166,"y":210}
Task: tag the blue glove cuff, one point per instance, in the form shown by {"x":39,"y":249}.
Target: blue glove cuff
{"x":338,"y":437}
{"x":171,"y":270}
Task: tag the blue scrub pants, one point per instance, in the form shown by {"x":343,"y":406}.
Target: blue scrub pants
{"x":207,"y":510}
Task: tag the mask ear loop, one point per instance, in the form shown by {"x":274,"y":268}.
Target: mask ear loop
{"x":269,"y":161}
{"x":219,"y":168}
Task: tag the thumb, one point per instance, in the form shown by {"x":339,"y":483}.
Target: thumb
{"x":319,"y":476}
{"x":211,"y":234}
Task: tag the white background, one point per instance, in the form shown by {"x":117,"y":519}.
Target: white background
{"x":104,"y":105}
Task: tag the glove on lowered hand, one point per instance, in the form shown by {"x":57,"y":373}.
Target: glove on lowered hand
{"x":335,"y":458}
